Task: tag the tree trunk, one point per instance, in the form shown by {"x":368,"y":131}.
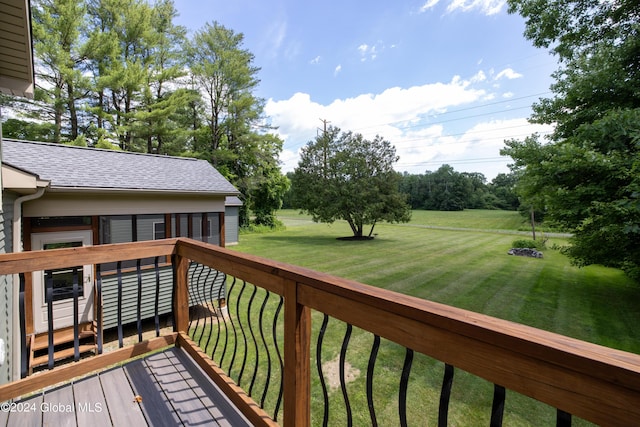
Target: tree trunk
{"x":533,"y":223}
{"x":372,"y":227}
{"x":73,"y":114}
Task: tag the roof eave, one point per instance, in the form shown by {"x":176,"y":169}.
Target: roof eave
{"x":106,"y":190}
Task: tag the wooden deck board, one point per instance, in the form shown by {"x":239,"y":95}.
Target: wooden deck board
{"x":29,"y":414}
{"x":174,"y":391}
{"x":157,"y":409}
{"x":58,"y":408}
{"x":120,"y":399}
{"x":188,"y":406}
{"x":219,"y":405}
{"x":91,"y":407}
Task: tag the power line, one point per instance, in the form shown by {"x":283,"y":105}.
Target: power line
{"x":464,"y":109}
{"x":293,"y":146}
{"x":465,"y":133}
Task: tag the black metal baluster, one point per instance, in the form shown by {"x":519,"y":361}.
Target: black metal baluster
{"x":215,"y":279}
{"x":370,"y":370}
{"x":235,"y":331}
{"x":244,"y":336}
{"x":563,"y":419}
{"x":224,"y":319}
{"x":275,"y":341}
{"x":343,"y":382}
{"x":156,"y":311}
{"x":226,"y":328}
{"x":119,"y":314}
{"x":76,"y":333}
{"x":445,"y":395}
{"x":49,"y":299}
{"x":24,"y":360}
{"x":255,"y":342}
{"x":196,"y":289}
{"x":99,"y":307}
{"x":202,"y":295}
{"x":404,"y":384}
{"x":325,"y":393}
{"x":266,"y":348}
{"x":139,"y":305}
{"x":497,"y":409}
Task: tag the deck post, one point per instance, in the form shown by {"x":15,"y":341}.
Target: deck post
{"x":297,"y":359}
{"x":180,"y":293}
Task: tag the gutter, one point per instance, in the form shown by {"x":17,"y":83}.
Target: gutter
{"x":17,"y":247}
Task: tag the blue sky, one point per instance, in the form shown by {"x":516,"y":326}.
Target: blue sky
{"x":446,"y":81}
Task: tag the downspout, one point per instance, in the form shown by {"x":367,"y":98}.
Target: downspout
{"x":17,"y":247}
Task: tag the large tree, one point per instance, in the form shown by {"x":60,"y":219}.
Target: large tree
{"x":345,"y":176}
{"x":587,"y":175}
{"x":223,"y":72}
{"x":232,"y":137}
{"x":57,"y":29}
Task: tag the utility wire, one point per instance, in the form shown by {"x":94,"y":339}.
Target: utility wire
{"x":466,"y":117}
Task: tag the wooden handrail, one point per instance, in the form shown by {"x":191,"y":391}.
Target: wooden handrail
{"x":25,"y":262}
{"x":593,"y":382}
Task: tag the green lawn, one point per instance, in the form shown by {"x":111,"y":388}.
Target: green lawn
{"x":475,"y":219}
{"x":469,"y":269}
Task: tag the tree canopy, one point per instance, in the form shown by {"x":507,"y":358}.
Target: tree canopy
{"x":342,"y":175}
{"x":121,"y":73}
{"x":587,"y":175}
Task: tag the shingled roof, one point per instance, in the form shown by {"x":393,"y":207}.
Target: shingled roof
{"x":78,"y":168}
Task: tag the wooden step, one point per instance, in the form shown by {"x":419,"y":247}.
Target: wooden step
{"x":61,"y":354}
{"x":62,"y":336}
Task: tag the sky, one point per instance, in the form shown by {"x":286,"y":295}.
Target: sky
{"x":445,"y":81}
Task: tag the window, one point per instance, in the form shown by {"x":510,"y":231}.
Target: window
{"x":158,"y":230}
{"x":191,"y":225}
{"x":63,"y":278}
{"x":61,"y":221}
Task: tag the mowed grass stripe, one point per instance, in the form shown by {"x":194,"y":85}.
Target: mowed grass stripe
{"x":470,"y":269}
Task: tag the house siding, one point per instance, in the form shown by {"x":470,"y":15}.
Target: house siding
{"x":6,"y":287}
{"x":204,"y":285}
{"x":231,"y":225}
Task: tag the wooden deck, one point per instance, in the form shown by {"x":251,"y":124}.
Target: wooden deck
{"x":171,"y":388}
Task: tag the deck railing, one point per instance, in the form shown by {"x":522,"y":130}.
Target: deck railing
{"x":267,"y":350}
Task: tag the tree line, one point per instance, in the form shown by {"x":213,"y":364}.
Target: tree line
{"x":120,"y":74}
{"x":445,"y":190}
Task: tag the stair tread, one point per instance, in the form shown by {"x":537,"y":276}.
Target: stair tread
{"x":42,"y":343}
{"x":62,"y":336}
{"x":62,"y":354}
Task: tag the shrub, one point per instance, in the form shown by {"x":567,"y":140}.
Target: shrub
{"x":531,"y":244}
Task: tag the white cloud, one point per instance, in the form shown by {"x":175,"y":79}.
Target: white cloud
{"x":363,"y":48}
{"x":315,"y":60}
{"x":428,"y":5}
{"x":403,"y":115}
{"x":388,"y":113}
{"x":507,"y":95}
{"x":487,"y":7}
{"x":370,"y":52}
{"x":508,"y":73}
{"x":475,"y":150}
{"x":480,"y":76}
{"x":337,"y":70}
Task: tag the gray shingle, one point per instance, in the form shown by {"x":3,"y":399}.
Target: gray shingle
{"x":69,"y":167}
